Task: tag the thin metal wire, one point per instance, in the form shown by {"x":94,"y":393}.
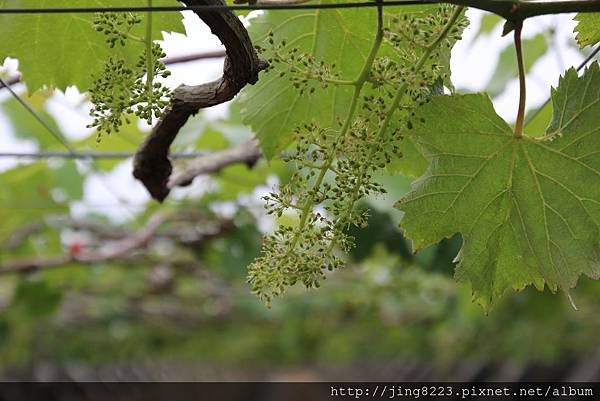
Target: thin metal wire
{"x":91,"y":155}
{"x":57,"y":135}
{"x":589,"y":58}
{"x":212,"y":7}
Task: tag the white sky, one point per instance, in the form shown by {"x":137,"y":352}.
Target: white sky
{"x":472,"y":65}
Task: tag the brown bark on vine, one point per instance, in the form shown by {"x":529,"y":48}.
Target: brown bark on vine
{"x":241,"y":67}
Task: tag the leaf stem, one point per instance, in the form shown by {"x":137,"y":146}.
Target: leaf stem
{"x":366,"y":70}
{"x":135,"y":38}
{"x":522,"y":86}
{"x":149,"y":56}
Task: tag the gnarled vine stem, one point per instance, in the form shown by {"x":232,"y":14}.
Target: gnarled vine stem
{"x":241,"y":67}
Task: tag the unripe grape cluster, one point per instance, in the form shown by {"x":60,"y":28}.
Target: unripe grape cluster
{"x":410,"y":38}
{"x":116,"y":27}
{"x":304,"y":71}
{"x":336,"y":165}
{"x":122,"y":89}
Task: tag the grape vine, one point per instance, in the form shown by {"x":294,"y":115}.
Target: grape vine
{"x":352,"y":94}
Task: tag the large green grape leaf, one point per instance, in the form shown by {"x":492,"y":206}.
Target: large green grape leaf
{"x":539,"y":120}
{"x":59,"y":50}
{"x":273,"y":107}
{"x":528,"y":209}
{"x":588,"y":29}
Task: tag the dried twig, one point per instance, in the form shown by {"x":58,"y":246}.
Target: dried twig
{"x":247,"y":153}
{"x":194,"y":229}
{"x":125,"y":246}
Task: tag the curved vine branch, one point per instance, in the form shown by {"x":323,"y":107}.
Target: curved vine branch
{"x":518,"y":10}
{"x":241,"y":67}
{"x":247,"y":153}
{"x":509,"y":9}
{"x":113,"y":244}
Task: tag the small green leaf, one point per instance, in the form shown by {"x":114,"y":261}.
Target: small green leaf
{"x":528,"y":209}
{"x":274,"y":107}
{"x":588,"y":29}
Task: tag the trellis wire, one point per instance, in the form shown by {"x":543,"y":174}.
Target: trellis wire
{"x":211,"y":7}
{"x":91,"y":155}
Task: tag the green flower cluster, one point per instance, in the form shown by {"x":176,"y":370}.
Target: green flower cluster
{"x":116,"y":27}
{"x":336,"y":165}
{"x":304,"y":71}
{"x":411,"y":38}
{"x":123,"y":90}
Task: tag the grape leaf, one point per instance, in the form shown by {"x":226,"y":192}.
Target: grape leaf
{"x":59,"y":50}
{"x":588,"y":29}
{"x":528,"y":209}
{"x":412,"y":163}
{"x":273,"y":107}
{"x":539,"y":120}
